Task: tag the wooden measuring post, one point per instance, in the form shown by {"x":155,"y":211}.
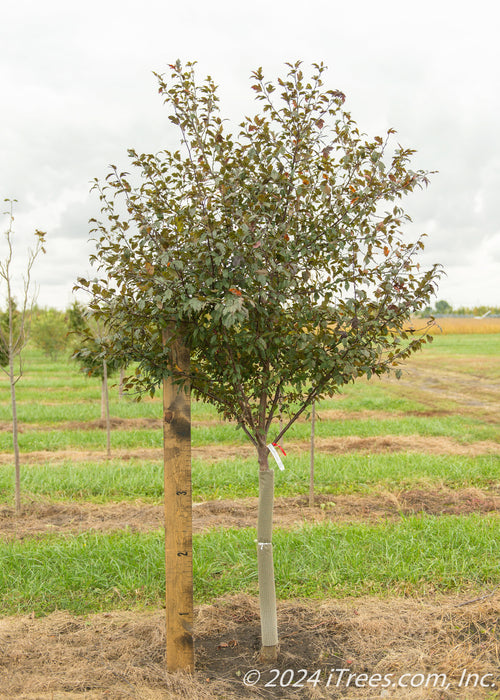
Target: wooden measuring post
{"x":178,"y":515}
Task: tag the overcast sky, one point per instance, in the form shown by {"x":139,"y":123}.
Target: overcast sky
{"x":77,"y":91}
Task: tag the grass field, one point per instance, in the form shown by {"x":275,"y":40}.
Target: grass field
{"x":407,"y":516}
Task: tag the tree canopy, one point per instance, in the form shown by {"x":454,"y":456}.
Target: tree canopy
{"x":50,"y":331}
{"x":278,"y":252}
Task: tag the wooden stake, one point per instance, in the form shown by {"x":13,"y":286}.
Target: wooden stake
{"x":178,"y":514}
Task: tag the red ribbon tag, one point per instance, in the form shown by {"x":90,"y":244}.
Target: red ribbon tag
{"x":279,"y":448}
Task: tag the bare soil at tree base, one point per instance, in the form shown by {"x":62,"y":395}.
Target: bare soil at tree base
{"x":120,"y":655}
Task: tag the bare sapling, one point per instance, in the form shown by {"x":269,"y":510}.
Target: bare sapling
{"x":15,"y":330}
{"x":94,"y":355}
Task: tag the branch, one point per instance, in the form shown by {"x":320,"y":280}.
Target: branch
{"x":309,"y":399}
{"x":214,"y":398}
{"x":249,"y":434}
{"x":317,"y":390}
{"x":277,"y":396}
{"x":243,"y":401}
{"x":481,"y":597}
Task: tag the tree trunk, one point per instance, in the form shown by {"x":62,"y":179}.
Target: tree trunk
{"x":120,"y":385}
{"x":105,"y":398}
{"x":15,"y":440}
{"x":267,"y":592}
{"x":311,"y":471}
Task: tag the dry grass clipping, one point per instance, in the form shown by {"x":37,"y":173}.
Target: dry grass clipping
{"x":120,"y":655}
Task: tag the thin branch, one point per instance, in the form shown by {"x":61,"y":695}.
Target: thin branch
{"x":309,"y":399}
{"x":243,"y":398}
{"x":317,"y":390}
{"x":249,"y":434}
{"x":476,"y":600}
{"x":274,"y":405}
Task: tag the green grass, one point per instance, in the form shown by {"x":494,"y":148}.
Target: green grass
{"x":464,"y":430}
{"x":93,"y":572}
{"x":238,"y":478}
{"x":51,"y":393}
{"x":373,"y":395}
{"x":464,"y":344}
{"x":346,"y":474}
{"x":77,"y":403}
{"x":43,"y":413}
{"x":94,"y":481}
{"x":59,"y":409}
{"x":39,"y":405}
{"x":62,"y":383}
{"x":53,"y":440}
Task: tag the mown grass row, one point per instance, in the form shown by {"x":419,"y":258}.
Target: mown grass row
{"x":464,"y":430}
{"x":62,"y":383}
{"x":82,"y":402}
{"x":238,"y":478}
{"x":93,"y":572}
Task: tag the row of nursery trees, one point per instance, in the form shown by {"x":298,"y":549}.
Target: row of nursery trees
{"x":52,"y":331}
{"x":260,"y":269}
{"x":55,"y":332}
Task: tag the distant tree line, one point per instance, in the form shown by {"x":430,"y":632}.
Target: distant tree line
{"x":57,"y":332}
{"x":443,"y":308}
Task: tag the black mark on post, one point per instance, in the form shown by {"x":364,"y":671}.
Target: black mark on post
{"x":181,"y":428}
{"x":182,"y":554}
{"x":186,"y":641}
{"x":181,"y":493}
{"x":181,"y":404}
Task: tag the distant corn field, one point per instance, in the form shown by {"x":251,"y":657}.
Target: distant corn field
{"x":451,"y":325}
